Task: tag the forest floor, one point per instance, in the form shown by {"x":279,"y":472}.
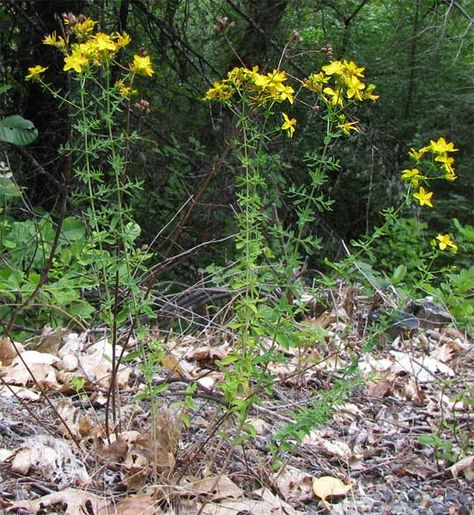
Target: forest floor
{"x":395,"y":435}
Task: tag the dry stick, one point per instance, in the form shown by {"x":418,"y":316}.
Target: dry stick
{"x":112,"y":392}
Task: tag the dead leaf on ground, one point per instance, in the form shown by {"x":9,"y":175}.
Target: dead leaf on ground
{"x":265,"y":503}
{"x":464,"y":466}
{"x":19,"y":392}
{"x":327,"y":486}
{"x":294,"y":485}
{"x":204,"y":353}
{"x":380,"y":389}
{"x":328,"y":447}
{"x":77,"y":501}
{"x":132,"y":505}
{"x":51,"y":459}
{"x":418,"y":467}
{"x":218,"y":487}
{"x":423,"y":368}
{"x":8,"y":352}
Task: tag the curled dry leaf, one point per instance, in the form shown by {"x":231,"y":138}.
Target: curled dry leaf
{"x":19,"y":392}
{"x":328,"y":486}
{"x":38,"y":365}
{"x":464,"y":466}
{"x":218,"y":487}
{"x":262,"y":502}
{"x":77,"y":501}
{"x":8,"y":352}
{"x":294,"y":485}
{"x":329,"y":448}
{"x":50,"y":458}
{"x":132,"y":505}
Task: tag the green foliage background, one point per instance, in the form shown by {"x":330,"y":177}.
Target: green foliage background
{"x":419,"y":53}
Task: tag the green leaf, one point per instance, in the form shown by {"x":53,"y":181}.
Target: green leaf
{"x":4,"y":88}
{"x":73,"y":229}
{"x":8,"y":188}
{"x":18,"y":131}
{"x":399,"y":274}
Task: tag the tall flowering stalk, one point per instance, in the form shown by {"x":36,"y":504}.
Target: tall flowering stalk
{"x":100,"y":149}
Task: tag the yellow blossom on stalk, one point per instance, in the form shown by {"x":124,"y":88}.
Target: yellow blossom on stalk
{"x":445,"y":243}
{"x":334,"y":68}
{"x":347,"y":127}
{"x":416,"y":154}
{"x":354,"y":87}
{"x":423,"y":197}
{"x":285,"y":93}
{"x":238,"y":76}
{"x":335,"y":97}
{"x":84,"y":27}
{"x":142,"y":65}
{"x":288,"y":125}
{"x":368,"y":94}
{"x":219,"y":91}
{"x":53,"y":40}
{"x":103,"y":42}
{"x":125,"y":91}
{"x":447,"y":162}
{"x":35,"y":72}
{"x":76,"y":61}
{"x":351,"y":68}
{"x":441,"y":146}
{"x":316,"y":81}
{"x":413,"y":175}
{"x":122,"y":40}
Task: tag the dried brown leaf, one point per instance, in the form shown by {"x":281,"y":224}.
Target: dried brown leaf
{"x":464,"y":466}
{"x":76,"y":501}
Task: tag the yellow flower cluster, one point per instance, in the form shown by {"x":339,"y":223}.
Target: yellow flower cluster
{"x":339,"y":82}
{"x":442,"y":161}
{"x":89,"y":49}
{"x":444,"y":242}
{"x":262,"y":88}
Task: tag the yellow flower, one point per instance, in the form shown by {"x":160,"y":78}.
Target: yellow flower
{"x":122,"y":40}
{"x":447,"y":162}
{"x":142,"y":65}
{"x":446,"y":243}
{"x":219,"y":91}
{"x":424,"y":197}
{"x":416,"y":154}
{"x":413,"y":175}
{"x":53,"y":40}
{"x":354,"y":87}
{"x":335,"y":97}
{"x":285,"y":93}
{"x":82,"y":28}
{"x":334,"y":68}
{"x":76,"y":61}
{"x":125,"y":91}
{"x":368,"y":94}
{"x":351,"y":68}
{"x":316,"y":81}
{"x":288,"y":125}
{"x":35,"y":72}
{"x":347,"y":127}
{"x":441,"y":146}
{"x":103,"y":42}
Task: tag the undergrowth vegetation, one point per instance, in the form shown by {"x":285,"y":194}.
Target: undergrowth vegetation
{"x":85,"y":265}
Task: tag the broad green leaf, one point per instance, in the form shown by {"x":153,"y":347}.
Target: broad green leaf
{"x":4,"y":88}
{"x":73,"y":229}
{"x":18,"y":131}
{"x":8,"y":188}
